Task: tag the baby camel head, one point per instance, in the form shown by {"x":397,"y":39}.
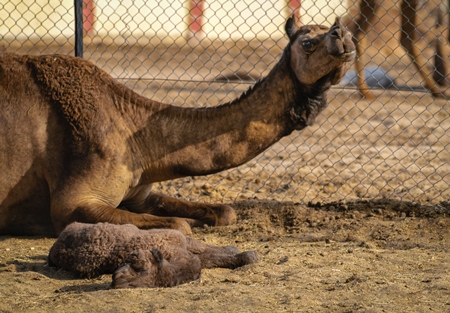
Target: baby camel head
{"x":317,"y":51}
{"x":149,"y":268}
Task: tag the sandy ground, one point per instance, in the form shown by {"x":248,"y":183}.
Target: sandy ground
{"x":377,"y":256}
{"x":350,"y":215}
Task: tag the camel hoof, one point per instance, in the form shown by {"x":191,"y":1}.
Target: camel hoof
{"x":247,"y":257}
{"x":244,"y":258}
{"x":226,"y":215}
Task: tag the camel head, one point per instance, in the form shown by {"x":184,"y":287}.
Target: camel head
{"x":317,"y":51}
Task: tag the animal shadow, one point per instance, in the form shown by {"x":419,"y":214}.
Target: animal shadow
{"x":39,"y":265}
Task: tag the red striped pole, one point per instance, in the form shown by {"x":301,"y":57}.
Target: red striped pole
{"x":88,"y":16}
{"x":195,"y":20}
{"x":294,"y":8}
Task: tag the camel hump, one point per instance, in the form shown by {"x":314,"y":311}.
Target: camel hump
{"x":75,"y":87}
{"x":65,"y":79}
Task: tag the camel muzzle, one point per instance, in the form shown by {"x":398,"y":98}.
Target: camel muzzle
{"x":340,"y":44}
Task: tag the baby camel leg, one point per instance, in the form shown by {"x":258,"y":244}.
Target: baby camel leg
{"x":216,"y":256}
{"x":150,"y":268}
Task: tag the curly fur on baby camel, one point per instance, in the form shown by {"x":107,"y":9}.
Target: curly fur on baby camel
{"x":139,"y":258}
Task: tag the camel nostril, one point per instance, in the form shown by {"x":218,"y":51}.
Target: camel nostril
{"x":335,"y":33}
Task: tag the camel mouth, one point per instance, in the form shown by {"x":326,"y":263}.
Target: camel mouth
{"x":347,"y":56}
{"x":344,"y":57}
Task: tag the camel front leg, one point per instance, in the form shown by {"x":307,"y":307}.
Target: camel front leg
{"x":408,"y":40}
{"x":65,"y":212}
{"x":364,"y":23}
{"x":196,"y":214}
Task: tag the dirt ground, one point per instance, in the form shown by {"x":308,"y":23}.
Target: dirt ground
{"x":349,"y":215}
{"x":360,"y":256}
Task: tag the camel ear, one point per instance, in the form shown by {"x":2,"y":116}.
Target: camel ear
{"x":337,"y":21}
{"x":291,"y":28}
{"x":159,"y":258}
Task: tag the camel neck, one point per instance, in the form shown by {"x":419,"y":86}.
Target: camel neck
{"x":191,"y":142}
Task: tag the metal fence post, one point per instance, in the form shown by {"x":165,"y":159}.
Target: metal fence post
{"x":78,"y":6}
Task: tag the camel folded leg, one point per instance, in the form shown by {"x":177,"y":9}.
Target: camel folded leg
{"x":196,"y":214}
{"x":94,"y":212}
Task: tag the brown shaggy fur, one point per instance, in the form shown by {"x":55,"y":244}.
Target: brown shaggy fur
{"x":150,"y":258}
{"x":80,"y":147}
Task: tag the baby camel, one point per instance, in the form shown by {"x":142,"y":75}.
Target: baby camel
{"x":139,"y":258}
{"x":80,"y":147}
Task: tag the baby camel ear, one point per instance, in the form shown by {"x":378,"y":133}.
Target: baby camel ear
{"x":291,"y":28}
{"x":159,"y":258}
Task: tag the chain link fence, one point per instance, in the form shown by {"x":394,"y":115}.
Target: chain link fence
{"x":201,"y":53}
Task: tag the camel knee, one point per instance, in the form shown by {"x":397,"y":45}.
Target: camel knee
{"x":181,"y":225}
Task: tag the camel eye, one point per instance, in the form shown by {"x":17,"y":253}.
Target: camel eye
{"x":307,"y":45}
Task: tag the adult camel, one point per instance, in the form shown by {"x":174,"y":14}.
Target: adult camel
{"x":76,"y":145}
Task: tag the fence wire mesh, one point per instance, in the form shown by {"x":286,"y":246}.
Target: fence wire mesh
{"x":202,"y":53}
